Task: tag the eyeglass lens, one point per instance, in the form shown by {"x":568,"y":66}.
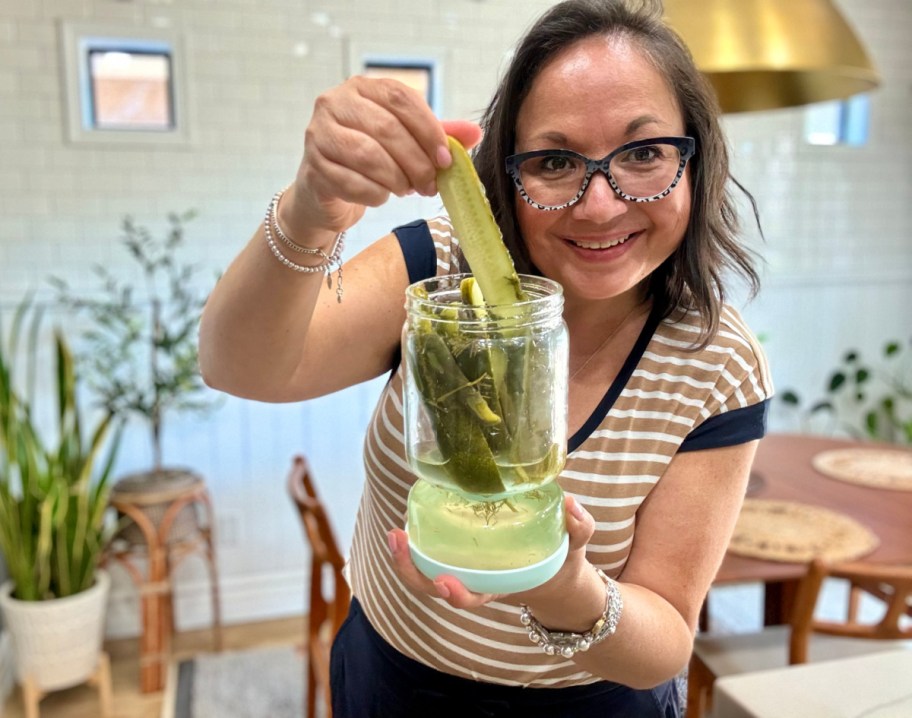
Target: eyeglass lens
{"x":641,"y":172}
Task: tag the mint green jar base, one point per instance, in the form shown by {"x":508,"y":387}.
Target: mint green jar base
{"x":495,"y":581}
{"x":493,"y":546}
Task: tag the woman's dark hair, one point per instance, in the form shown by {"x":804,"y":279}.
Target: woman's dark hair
{"x":692,"y":277}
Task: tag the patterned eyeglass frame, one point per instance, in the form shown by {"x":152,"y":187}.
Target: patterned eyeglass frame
{"x":685,"y":145}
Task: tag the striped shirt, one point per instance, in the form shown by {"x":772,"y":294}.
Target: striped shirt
{"x":667,"y":398}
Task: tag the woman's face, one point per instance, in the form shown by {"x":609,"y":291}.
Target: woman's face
{"x":591,"y":98}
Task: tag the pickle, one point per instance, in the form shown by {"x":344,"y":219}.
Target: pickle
{"x":479,"y":236}
{"x":459,"y":415}
{"x":475,"y":391}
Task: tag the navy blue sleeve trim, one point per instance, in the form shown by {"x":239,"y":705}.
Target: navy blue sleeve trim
{"x":418,"y":249}
{"x":737,"y":426}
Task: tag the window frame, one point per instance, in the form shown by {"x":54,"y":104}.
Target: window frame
{"x":78,"y":41}
{"x":378,"y":52}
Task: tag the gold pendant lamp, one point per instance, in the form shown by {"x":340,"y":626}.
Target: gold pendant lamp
{"x":765,"y":54}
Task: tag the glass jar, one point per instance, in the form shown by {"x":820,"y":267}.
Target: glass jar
{"x":485,"y":426}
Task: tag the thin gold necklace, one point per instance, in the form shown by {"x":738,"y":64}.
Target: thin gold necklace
{"x":611,"y":335}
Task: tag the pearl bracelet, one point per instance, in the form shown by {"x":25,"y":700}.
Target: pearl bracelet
{"x":567,"y":643}
{"x":271,"y":230}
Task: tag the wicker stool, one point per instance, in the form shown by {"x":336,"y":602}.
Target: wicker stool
{"x":169,"y":520}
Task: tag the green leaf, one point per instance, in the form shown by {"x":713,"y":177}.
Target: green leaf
{"x":790,"y":397}
{"x":891,"y":348}
{"x":862,"y":375}
{"x":871,"y":423}
{"x":836,"y":380}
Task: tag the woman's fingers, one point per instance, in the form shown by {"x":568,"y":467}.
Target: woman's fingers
{"x":368,"y":139}
{"x":449,"y":588}
{"x":400,"y":135}
{"x":468,"y":133}
{"x":386,"y":131}
{"x":580,"y":524}
{"x":580,"y":527}
{"x":402,"y":562}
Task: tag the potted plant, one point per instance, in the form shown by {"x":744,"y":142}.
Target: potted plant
{"x":139,"y":353}
{"x":53,"y":523}
{"x":868,"y":400}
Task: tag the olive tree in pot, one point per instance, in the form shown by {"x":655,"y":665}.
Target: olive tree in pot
{"x":139,"y":352}
{"x":54,"y":520}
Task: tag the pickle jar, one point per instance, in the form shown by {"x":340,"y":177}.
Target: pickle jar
{"x":485,"y":408}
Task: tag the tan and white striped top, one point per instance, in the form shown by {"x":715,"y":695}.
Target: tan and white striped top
{"x":664,"y":397}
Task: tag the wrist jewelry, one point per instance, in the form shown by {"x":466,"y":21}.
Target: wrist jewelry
{"x":567,"y":643}
{"x":271,"y":229}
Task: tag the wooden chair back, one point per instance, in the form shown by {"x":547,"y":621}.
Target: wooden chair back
{"x":891,"y":584}
{"x":329,"y":591}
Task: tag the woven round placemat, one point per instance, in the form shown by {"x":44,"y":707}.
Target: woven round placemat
{"x":789,"y":531}
{"x":880,"y":468}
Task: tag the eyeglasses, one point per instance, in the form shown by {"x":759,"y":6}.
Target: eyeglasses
{"x":640,"y":171}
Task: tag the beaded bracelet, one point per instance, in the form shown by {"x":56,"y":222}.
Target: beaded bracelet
{"x":271,"y":230}
{"x":567,"y":643}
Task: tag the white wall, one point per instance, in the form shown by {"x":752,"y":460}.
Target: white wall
{"x":837,"y":220}
{"x":838,"y":251}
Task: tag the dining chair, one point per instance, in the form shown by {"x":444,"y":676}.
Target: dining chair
{"x":329,"y":591}
{"x":807,"y":638}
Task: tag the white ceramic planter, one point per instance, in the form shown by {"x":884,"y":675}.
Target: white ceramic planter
{"x":57,"y":643}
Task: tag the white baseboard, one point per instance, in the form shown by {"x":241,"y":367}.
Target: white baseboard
{"x":243,"y":598}
{"x":7,"y":670}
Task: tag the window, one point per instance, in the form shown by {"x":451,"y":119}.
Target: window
{"x":420,"y":67}
{"x":123,"y":86}
{"x":841,"y":122}
{"x":416,"y":74}
{"x":130,"y":89}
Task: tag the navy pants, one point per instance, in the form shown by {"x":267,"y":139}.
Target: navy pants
{"x":371,"y":679}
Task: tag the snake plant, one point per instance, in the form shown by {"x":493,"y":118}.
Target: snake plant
{"x":53,"y":474}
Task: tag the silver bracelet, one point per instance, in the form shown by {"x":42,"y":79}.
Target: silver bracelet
{"x":567,"y":643}
{"x":271,"y":230}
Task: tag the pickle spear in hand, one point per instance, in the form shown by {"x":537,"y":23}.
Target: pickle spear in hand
{"x":479,"y":236}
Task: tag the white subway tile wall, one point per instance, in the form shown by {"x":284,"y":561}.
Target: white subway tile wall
{"x":838,"y":221}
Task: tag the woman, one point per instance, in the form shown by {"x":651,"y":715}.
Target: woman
{"x":668,"y":388}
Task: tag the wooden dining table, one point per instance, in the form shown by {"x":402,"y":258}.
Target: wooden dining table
{"x":783,"y":470}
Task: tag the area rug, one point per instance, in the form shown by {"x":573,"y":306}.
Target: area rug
{"x":259,"y":683}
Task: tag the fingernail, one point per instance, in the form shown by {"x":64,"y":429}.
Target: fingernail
{"x":576,"y":510}
{"x":393,"y":544}
{"x":444,"y":158}
{"x":442,"y":589}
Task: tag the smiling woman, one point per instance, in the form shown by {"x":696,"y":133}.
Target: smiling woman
{"x":667,"y":392}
